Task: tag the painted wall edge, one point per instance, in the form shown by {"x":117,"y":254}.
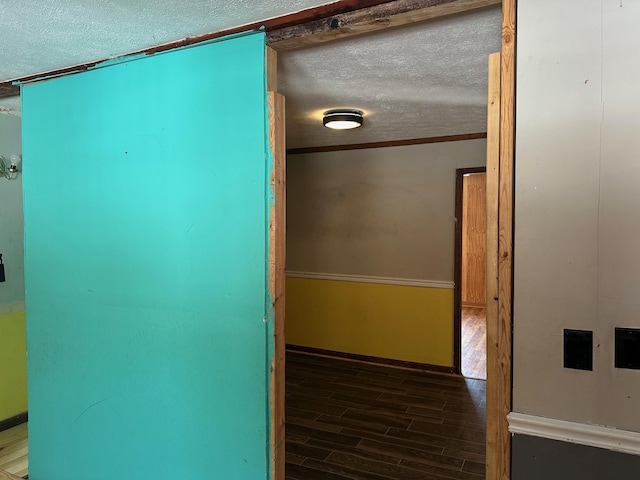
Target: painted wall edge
{"x":13,"y":307}
{"x":339,"y":277}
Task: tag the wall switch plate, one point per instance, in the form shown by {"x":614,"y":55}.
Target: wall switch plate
{"x":627,"y":348}
{"x":578,"y":349}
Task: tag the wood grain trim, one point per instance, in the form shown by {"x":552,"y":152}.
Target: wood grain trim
{"x":14,"y":421}
{"x":275,"y":23}
{"x":366,"y":20}
{"x":505,"y":236}
{"x":499,"y":453}
{"x":491,"y":284}
{"x":457,"y":268}
{"x":276,"y":274}
{"x":424,"y":367}
{"x":392,"y":143}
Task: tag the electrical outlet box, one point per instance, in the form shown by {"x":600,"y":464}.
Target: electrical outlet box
{"x":627,"y":348}
{"x":578,"y":349}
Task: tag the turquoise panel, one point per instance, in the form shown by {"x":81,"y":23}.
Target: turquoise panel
{"x":145,"y":201}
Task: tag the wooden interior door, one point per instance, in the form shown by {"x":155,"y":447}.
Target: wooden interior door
{"x":474,"y":237}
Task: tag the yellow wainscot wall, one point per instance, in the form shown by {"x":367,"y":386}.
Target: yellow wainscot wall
{"x":409,"y":323}
{"x":13,"y":365}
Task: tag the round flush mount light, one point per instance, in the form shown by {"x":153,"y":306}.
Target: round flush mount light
{"x":342,"y":119}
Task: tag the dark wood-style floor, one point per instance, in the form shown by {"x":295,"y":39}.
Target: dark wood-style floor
{"x":474,"y":342}
{"x":350,"y":420}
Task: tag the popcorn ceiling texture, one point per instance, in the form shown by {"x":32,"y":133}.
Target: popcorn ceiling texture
{"x":423,"y":80}
{"x":43,"y":35}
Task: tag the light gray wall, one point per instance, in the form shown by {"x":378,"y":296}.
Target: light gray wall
{"x":577,"y":221}
{"x":385,"y":212}
{"x":11,"y":225}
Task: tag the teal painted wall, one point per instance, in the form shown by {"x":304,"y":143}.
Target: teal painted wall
{"x":145,"y":189}
{"x":13,"y":350}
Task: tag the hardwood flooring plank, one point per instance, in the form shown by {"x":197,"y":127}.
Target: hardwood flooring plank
{"x":348,"y":419}
{"x":412,"y":454}
{"x":337,"y":438}
{"x":475,"y":457}
{"x":302,"y":472}
{"x":442,"y":472}
{"x":450,"y":431}
{"x":474,"y":467}
{"x":437,"y":440}
{"x":417,"y":445}
{"x":477,"y":419}
{"x":308,"y":451}
{"x":347,"y":422}
{"x":397,"y":472}
{"x":308,"y":404}
{"x":293,"y":458}
{"x":301,"y":413}
{"x":411,"y":400}
{"x":377,"y":418}
{"x":351,"y":473}
{"x":360,"y":452}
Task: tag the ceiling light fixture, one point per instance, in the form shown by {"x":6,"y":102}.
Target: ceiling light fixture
{"x":341,"y":119}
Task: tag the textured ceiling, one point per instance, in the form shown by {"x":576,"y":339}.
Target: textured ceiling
{"x":42,"y":35}
{"x":419,"y":81}
{"x":423,"y":80}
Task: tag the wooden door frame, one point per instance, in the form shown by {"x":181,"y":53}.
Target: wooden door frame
{"x":500,"y":187}
{"x":500,"y":289}
{"x":457,"y":269}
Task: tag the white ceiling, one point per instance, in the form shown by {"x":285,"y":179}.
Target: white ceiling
{"x":419,"y":81}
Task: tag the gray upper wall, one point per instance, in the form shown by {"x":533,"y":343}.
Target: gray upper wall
{"x":11,"y":224}
{"x":386,"y":212}
{"x":577,"y":225}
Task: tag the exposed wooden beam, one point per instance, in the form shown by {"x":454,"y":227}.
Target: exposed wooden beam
{"x":391,"y":143}
{"x":9,"y":90}
{"x":365,"y":20}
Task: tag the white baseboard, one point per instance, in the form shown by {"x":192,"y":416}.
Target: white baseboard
{"x":407,"y":282}
{"x":583,"y":434}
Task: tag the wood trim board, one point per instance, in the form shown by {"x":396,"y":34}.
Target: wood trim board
{"x":500,"y":253}
{"x":493,"y":183}
{"x":14,"y":421}
{"x":276,"y":273}
{"x":392,"y":143}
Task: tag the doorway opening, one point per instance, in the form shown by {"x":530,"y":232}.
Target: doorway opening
{"x":470,"y":273}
